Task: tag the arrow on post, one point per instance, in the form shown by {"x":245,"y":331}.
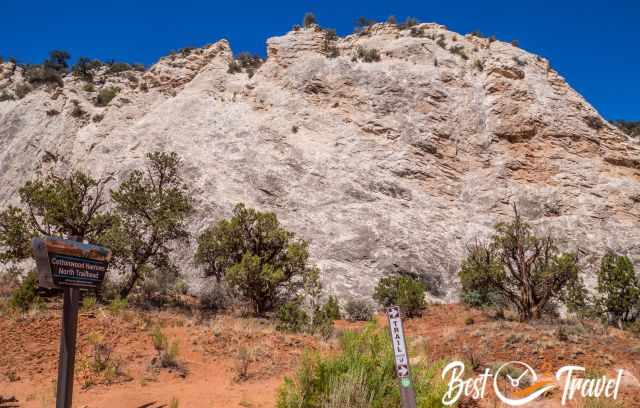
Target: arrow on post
{"x":393,"y":312}
{"x":403,"y":371}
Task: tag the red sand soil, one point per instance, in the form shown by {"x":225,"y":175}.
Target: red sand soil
{"x":210,"y":351}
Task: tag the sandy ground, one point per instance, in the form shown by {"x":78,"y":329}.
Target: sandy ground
{"x":211,"y":352}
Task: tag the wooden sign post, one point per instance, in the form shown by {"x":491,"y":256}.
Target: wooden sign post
{"x":67,"y":356}
{"x":407,"y":391}
{"x":72,"y":266}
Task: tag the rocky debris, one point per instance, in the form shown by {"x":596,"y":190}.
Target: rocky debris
{"x":394,"y":166}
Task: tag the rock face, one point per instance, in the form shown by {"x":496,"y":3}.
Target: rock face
{"x":391,"y":166}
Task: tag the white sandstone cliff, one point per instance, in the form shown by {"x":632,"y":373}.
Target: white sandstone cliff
{"x":395,"y":165}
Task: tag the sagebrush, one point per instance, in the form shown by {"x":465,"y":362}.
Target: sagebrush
{"x":361,"y":374}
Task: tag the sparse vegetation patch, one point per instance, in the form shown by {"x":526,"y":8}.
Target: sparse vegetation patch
{"x":22,"y":89}
{"x":361,"y":375}
{"x":403,"y":291}
{"x":359,"y":310}
{"x":632,"y":128}
{"x":366,"y":54}
{"x":247,"y":62}
{"x":106,"y":95}
{"x":167,"y":352}
{"x":459,"y":50}
{"x":309,"y":20}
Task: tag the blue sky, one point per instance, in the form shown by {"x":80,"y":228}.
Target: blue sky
{"x":595,"y":45}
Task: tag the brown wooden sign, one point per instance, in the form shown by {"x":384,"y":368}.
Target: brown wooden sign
{"x":63,"y":262}
{"x":70,"y":265}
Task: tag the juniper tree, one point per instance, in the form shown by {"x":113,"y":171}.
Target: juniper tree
{"x":403,"y":291}
{"x":266,"y":263}
{"x":84,"y":68}
{"x":15,"y":235}
{"x":57,"y":61}
{"x":525,"y":270}
{"x":618,"y":288}
{"x":63,"y":206}
{"x":152,"y":207}
{"x":309,"y":20}
{"x":362,"y":23}
{"x":50,"y":71}
{"x":67,"y":206}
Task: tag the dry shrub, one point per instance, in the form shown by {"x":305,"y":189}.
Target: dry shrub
{"x":167,"y":352}
{"x":101,"y":367}
{"x":243,"y":360}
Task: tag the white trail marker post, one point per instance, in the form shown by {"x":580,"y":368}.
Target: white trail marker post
{"x":407,"y":391}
